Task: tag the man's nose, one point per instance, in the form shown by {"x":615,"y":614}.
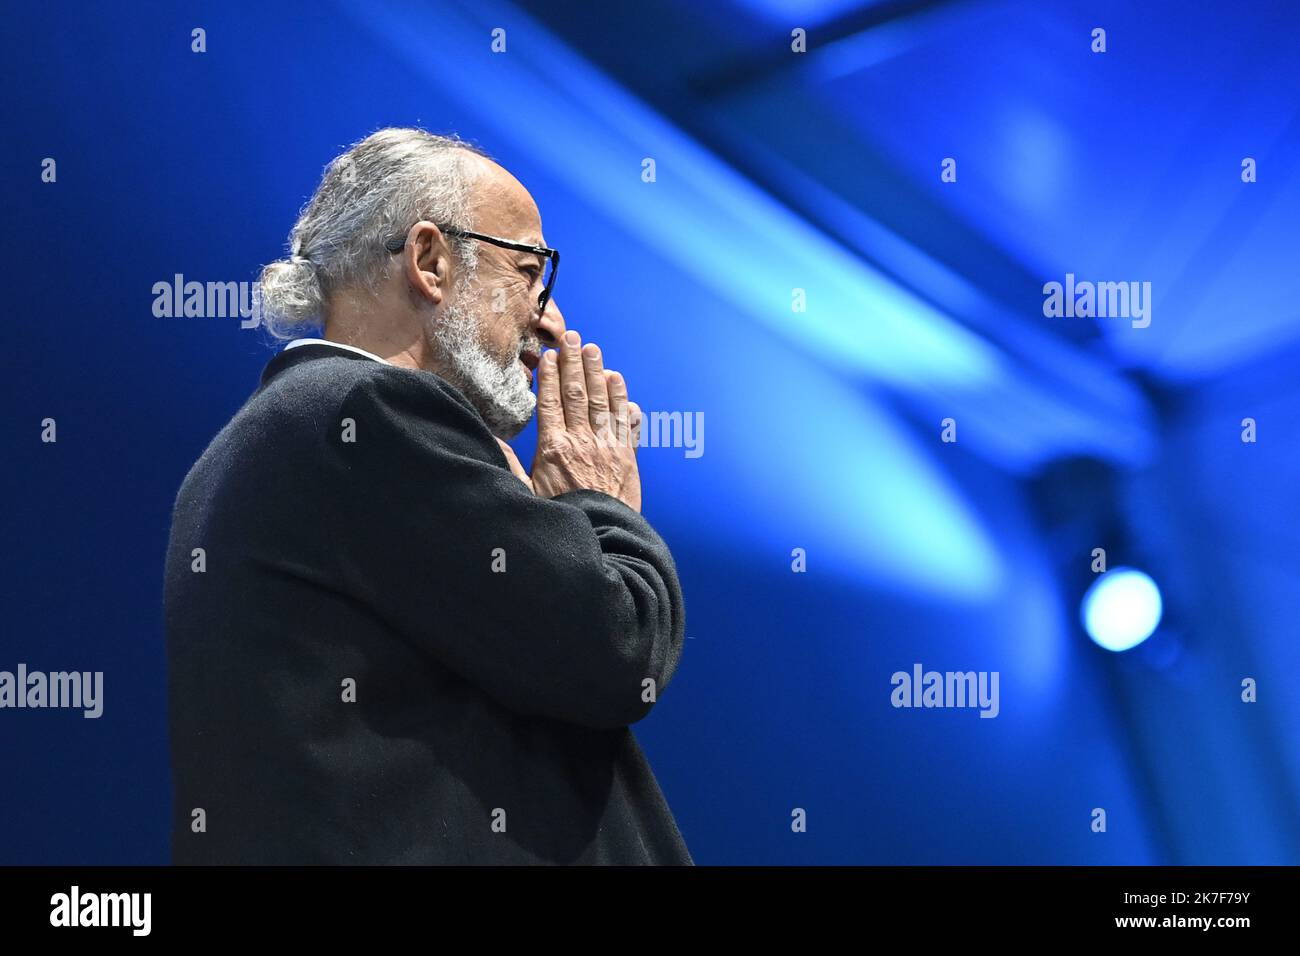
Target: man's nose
{"x":550,"y":326}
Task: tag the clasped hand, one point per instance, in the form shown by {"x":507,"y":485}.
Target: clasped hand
{"x":587,"y":428}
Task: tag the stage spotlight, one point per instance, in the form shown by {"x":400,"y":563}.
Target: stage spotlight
{"x":1122,"y":609}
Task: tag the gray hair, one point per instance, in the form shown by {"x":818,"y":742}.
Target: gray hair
{"x":373,"y":192}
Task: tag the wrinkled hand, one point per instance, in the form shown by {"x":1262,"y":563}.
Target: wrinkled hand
{"x":587,"y":429}
{"x":516,"y":467}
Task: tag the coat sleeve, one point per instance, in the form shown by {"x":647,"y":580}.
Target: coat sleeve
{"x":568,"y":608}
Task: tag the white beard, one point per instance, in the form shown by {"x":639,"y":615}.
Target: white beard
{"x":499,"y":391}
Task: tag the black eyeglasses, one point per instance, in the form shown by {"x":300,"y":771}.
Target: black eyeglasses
{"x":550,"y":267}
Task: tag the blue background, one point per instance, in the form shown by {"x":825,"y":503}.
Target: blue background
{"x":774,"y":171}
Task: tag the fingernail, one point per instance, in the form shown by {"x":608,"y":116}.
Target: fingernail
{"x":571,"y":337}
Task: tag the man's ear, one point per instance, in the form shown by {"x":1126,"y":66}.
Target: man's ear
{"x":426,"y":262}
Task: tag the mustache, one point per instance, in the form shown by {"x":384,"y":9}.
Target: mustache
{"x":531,"y":345}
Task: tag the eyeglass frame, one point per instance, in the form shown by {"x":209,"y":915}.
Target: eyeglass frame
{"x":396,"y":244}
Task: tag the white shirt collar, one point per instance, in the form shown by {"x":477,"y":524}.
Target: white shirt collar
{"x":338,"y":345}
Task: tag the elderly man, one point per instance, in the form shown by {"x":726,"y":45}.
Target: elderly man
{"x":388,"y":642}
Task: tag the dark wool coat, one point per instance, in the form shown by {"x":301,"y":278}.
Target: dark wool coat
{"x":388,"y":650}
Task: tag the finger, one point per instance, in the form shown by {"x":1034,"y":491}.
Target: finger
{"x":516,"y":467}
{"x":573,"y":386}
{"x":597,"y":394}
{"x":634,"y":416}
{"x":550,"y":413}
{"x":511,"y":458}
{"x":618,"y":409}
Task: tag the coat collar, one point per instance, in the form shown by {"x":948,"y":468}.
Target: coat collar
{"x":301,"y":351}
{"x":306,"y":350}
{"x":297,"y":343}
